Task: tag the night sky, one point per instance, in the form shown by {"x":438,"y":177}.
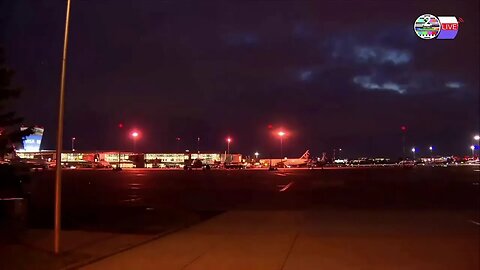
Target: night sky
{"x":343,"y":74}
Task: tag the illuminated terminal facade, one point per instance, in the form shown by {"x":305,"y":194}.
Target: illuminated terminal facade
{"x":30,"y":149}
{"x":177,"y":159}
{"x":129,"y":159}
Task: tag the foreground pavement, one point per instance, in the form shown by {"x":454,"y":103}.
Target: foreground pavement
{"x":314,"y":239}
{"x":35,"y":249}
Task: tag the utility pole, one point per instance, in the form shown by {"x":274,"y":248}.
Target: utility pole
{"x":178,"y":144}
{"x":404,"y":141}
{"x":73,"y":144}
{"x":198,"y":145}
{"x":58,"y":171}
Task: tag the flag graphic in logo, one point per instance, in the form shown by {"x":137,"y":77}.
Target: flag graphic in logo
{"x":449,"y":28}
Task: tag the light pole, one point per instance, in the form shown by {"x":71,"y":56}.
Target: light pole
{"x":120,"y":126}
{"x":178,"y":144}
{"x":229,"y":140}
{"x":58,"y":170}
{"x":198,"y":146}
{"x":134,"y":135}
{"x":281,"y":134}
{"x":73,"y":144}
{"x":335,"y":153}
{"x":431,"y":150}
{"x":256,"y":155}
{"x":476,"y":138}
{"x":413,"y":152}
{"x":404,"y":140}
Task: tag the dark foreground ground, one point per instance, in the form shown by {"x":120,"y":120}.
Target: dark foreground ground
{"x":129,"y":200}
{"x":149,"y":201}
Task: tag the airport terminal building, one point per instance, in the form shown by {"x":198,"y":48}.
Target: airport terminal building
{"x":30,"y":149}
{"x":129,"y":159}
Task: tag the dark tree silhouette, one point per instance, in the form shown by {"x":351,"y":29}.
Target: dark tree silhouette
{"x":10,"y":133}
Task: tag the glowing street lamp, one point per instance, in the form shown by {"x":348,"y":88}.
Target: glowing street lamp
{"x":414,"y":151}
{"x":229,"y":140}
{"x":73,"y":144}
{"x":281,"y":134}
{"x":335,"y":153}
{"x":472,"y":147}
{"x":256,"y":155}
{"x":134,"y":136}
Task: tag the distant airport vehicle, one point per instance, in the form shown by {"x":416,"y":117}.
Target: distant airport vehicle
{"x":195,"y":164}
{"x":102,"y":164}
{"x":234,"y":166}
{"x":289,"y":162}
{"x":407,"y":163}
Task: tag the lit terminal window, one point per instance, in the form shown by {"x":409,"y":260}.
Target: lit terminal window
{"x":72,"y":157}
{"x":165,"y":158}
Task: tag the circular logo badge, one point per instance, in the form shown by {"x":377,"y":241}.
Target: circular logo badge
{"x":427,"y":26}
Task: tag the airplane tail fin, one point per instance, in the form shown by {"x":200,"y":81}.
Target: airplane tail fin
{"x":306,"y":155}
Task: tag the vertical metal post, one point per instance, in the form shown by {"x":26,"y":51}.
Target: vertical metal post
{"x":58,"y":174}
{"x":281,"y":147}
{"x":198,"y":145}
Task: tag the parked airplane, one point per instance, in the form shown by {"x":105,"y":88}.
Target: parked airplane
{"x":288,"y":162}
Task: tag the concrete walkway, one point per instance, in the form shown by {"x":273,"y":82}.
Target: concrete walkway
{"x":35,"y":248}
{"x":321,"y":239}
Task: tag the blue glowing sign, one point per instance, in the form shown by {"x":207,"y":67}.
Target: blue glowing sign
{"x":32,"y":142}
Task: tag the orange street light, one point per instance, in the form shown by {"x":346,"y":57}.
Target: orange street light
{"x":229,"y":140}
{"x":134,"y":135}
{"x":281,"y":134}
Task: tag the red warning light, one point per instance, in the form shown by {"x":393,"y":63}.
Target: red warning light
{"x":403,"y":128}
{"x":270,"y":126}
{"x":120,"y":125}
